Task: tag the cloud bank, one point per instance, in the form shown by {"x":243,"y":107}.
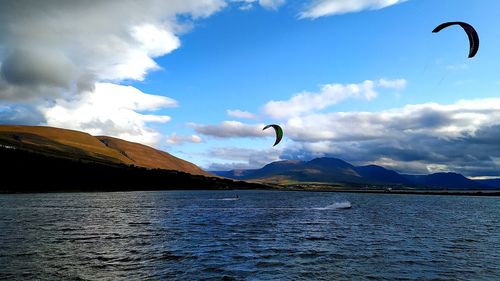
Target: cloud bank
{"x":232,"y":129}
{"x":328,"y":95}
{"x":111,"y":109}
{"x":174,"y":139}
{"x":420,"y":138}
{"x":66,"y":59}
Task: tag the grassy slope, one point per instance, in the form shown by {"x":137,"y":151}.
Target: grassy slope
{"x":59,"y":142}
{"x":75,"y":145}
{"x":145,"y":156}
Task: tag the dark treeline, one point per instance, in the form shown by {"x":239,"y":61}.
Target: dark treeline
{"x":23,"y":171}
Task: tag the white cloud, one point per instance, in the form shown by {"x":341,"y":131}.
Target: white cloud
{"x":420,"y":138}
{"x":483,"y":178}
{"x":431,"y":119}
{"x":112,"y":110}
{"x":80,"y":43}
{"x":240,"y":114}
{"x":232,"y":129}
{"x":62,"y":56}
{"x":267,"y":4}
{"x":321,"y":8}
{"x":396,"y":84}
{"x":174,"y":139}
{"x":328,"y":95}
{"x":246,"y":7}
{"x":271,"y":4}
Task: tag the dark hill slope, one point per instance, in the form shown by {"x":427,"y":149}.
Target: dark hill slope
{"x":24,"y":171}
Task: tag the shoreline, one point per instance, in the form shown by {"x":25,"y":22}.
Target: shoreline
{"x":491,"y":193}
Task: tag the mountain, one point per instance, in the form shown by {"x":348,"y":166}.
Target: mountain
{"x":72,"y":144}
{"x":332,"y":170}
{"x":45,"y":159}
{"x":492,"y":183}
{"x":319,"y":170}
{"x":446,"y":180}
{"x":60,"y":159}
{"x":268,"y":170}
{"x":233,"y":174}
{"x":381,"y":175}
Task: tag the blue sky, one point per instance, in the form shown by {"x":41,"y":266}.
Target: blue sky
{"x":372,"y":83}
{"x":242,"y":59}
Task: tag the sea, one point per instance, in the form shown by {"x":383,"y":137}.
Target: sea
{"x":248,"y":235}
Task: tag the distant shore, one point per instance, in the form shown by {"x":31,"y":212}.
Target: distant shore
{"x":283,"y":189}
{"x":414,"y":192}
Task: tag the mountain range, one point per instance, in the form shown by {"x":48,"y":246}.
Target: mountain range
{"x":336,"y":171}
{"x":40,"y":159}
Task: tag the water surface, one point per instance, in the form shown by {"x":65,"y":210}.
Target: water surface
{"x":186,"y":235}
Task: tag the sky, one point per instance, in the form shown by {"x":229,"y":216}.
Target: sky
{"x":362,"y":80}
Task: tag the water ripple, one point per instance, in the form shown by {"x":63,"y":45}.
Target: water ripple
{"x":190,"y":235}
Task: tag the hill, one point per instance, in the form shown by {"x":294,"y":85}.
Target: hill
{"x":446,"y":180}
{"x":70,"y":144}
{"x":148,"y":157}
{"x":81,"y":158}
{"x":24,"y":171}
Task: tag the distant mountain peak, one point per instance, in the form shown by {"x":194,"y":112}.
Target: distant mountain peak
{"x":335,"y":170}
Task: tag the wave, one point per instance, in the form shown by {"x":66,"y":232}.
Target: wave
{"x":226,"y":199}
{"x":336,"y":206}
